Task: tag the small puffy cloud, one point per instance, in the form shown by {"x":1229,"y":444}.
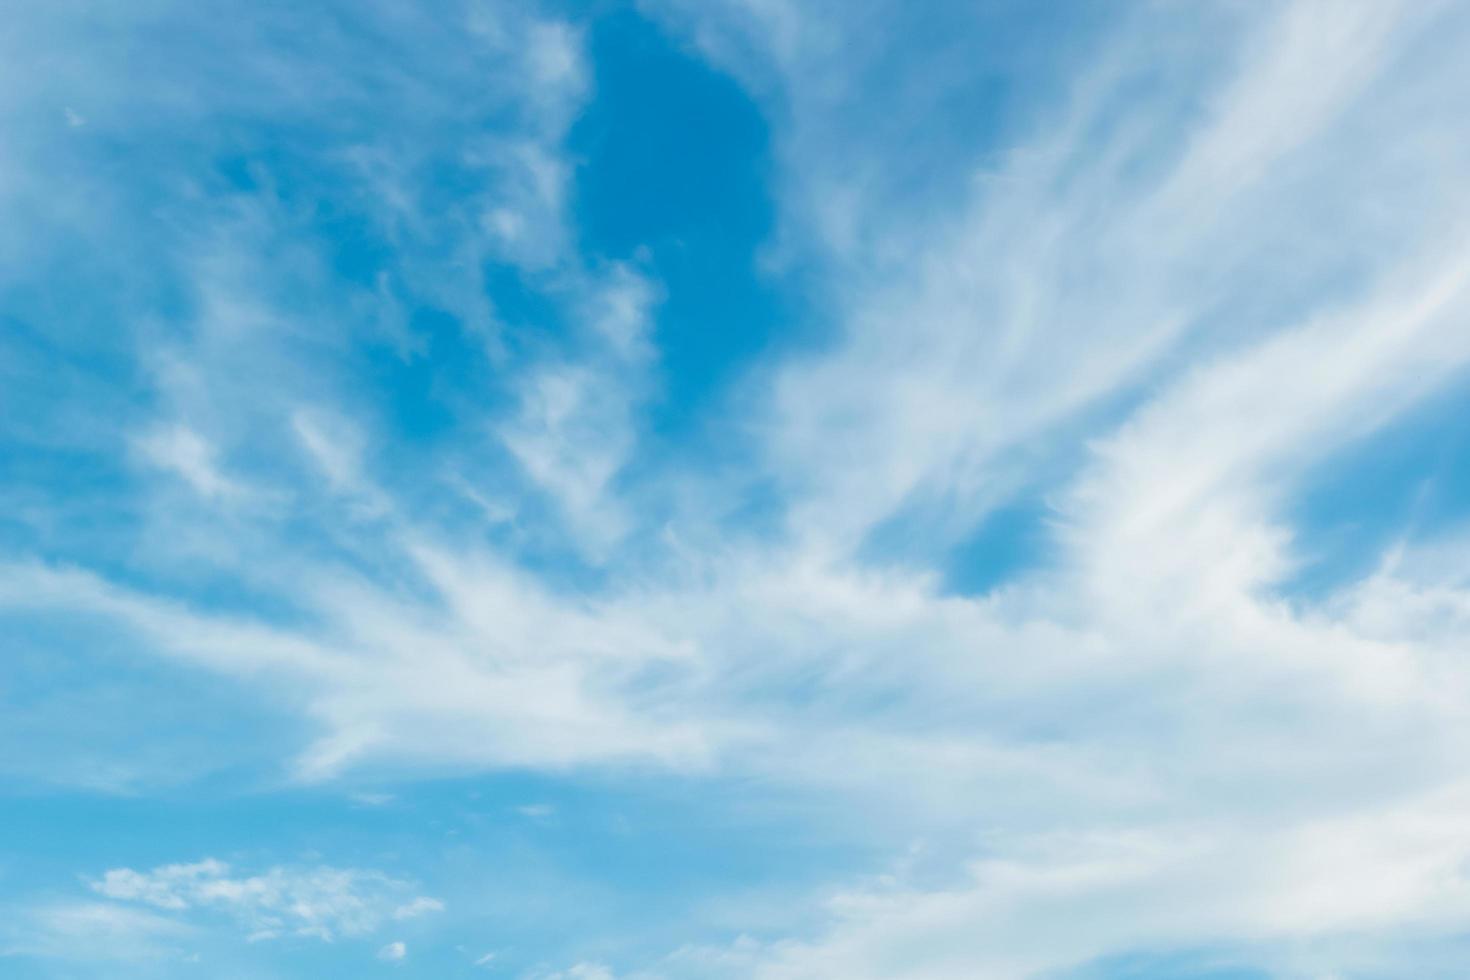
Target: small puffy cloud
{"x":321,"y":901}
{"x":393,"y":952}
{"x":169,"y":887}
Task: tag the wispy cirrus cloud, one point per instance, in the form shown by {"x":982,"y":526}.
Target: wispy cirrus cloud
{"x":407,"y":491}
{"x":94,"y":931}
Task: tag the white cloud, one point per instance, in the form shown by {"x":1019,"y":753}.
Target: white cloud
{"x":186,"y":454}
{"x":1164,"y":888}
{"x":93,"y":931}
{"x":372,"y":799}
{"x":450,"y":685}
{"x":1165,"y":310}
{"x":578,"y":971}
{"x":422,"y":905}
{"x":575,"y":427}
{"x":976,"y":338}
{"x":335,"y":447}
{"x":393,"y":952}
{"x":321,"y":902}
{"x":525,"y":217}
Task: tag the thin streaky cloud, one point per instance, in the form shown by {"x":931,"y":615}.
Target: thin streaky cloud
{"x":775,"y":489}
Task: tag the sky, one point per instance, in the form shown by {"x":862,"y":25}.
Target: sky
{"x":735,"y":490}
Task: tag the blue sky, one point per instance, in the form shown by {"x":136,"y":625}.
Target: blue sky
{"x":699,"y":489}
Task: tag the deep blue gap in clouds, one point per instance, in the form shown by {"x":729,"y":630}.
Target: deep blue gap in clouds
{"x":673,"y":170}
{"x":1011,"y":540}
{"x":1410,"y":480}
